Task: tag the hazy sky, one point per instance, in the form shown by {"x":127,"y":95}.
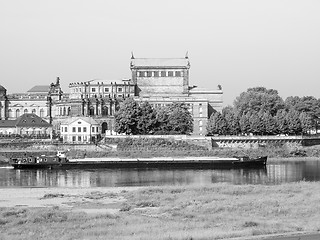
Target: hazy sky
{"x":235,"y":43}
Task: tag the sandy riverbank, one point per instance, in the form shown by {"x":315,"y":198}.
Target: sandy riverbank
{"x":215,"y":211}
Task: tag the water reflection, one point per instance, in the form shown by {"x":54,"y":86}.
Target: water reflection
{"x":272,"y":174}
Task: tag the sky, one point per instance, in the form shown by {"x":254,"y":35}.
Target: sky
{"x":238,"y":44}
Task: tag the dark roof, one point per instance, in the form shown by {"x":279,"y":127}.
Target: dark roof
{"x":7,"y":123}
{"x":39,"y":89}
{"x":31,"y":120}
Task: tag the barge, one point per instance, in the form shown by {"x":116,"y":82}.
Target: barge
{"x":60,"y":161}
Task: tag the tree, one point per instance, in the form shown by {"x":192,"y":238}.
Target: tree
{"x":269,"y":123}
{"x":281,"y":120}
{"x":174,"y":119}
{"x":256,"y":124}
{"x":232,"y":121}
{"x":244,"y":123}
{"x":259,"y":99}
{"x":126,"y":118}
{"x":306,"y":122}
{"x":216,"y":124}
{"x":147,"y":120}
{"x":293,"y":122}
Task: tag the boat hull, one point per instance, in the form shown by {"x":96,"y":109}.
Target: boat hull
{"x":200,"y":163}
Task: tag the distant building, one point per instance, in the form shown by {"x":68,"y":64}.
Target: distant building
{"x":160,"y":81}
{"x":80,"y":130}
{"x":28,"y":124}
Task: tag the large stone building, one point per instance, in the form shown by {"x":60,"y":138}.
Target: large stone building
{"x":158,"y":81}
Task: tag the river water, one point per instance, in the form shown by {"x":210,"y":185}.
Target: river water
{"x":274,"y":173}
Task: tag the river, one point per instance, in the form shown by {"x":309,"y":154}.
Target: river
{"x":274,"y":173}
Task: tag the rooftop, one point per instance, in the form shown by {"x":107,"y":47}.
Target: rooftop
{"x":160,"y":62}
{"x":39,"y":89}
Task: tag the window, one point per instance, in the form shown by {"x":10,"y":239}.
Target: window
{"x":170,"y":74}
{"x":163,"y":74}
{"x":79,"y":129}
{"x":156,"y":73}
{"x":41,"y":112}
{"x":93,"y":89}
{"x":61,"y":129}
{"x":25,"y":111}
{"x":73,"y":129}
{"x":92,"y":129}
{"x":79,"y":138}
{"x":149,"y":74}
{"x":17,"y":113}
{"x":73,"y":138}
{"x":97,"y":128}
{"x":119,"y":89}
{"x":84,"y":129}
{"x":141,"y":74}
{"x":66,"y":129}
{"x":178,"y":74}
{"x":106,"y":89}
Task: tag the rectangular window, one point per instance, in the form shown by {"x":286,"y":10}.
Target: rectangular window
{"x":163,"y":74}
{"x":141,"y":74}
{"x":97,"y":128}
{"x":93,"y":89}
{"x":178,"y":74}
{"x":73,"y":129}
{"x":106,"y":89}
{"x":119,"y":89}
{"x":66,"y":129}
{"x":170,"y":73}
{"x":149,"y":74}
{"x":156,"y":73}
{"x":92,"y":129}
{"x":79,"y":138}
{"x":73,"y":138}
{"x":84,"y":129}
{"x":79,"y":129}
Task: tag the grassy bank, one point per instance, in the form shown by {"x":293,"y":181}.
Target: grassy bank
{"x":212,"y":212}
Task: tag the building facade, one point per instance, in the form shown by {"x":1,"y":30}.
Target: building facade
{"x":160,"y":81}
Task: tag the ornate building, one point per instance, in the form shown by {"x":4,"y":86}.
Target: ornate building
{"x":160,"y":81}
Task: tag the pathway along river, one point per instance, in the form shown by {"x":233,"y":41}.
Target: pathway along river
{"x":274,"y":173}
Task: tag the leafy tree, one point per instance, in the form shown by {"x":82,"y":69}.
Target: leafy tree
{"x":293,"y":122}
{"x":147,"y":120}
{"x":127,"y":117}
{"x":216,"y":124}
{"x":306,"y":122}
{"x":256,"y":124}
{"x":281,"y":120}
{"x":180,"y":120}
{"x":232,"y":121}
{"x":244,"y":123}
{"x":259,"y":99}
{"x":269,"y":123}
{"x":174,"y":119}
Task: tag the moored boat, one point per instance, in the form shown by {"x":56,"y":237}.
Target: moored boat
{"x":60,"y":161}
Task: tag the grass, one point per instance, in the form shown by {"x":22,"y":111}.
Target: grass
{"x":217,"y":211}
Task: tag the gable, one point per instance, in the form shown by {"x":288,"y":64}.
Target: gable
{"x":31,"y":120}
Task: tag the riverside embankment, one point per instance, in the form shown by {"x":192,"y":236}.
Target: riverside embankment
{"x":153,"y":147}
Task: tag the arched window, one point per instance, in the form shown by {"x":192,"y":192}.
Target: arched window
{"x":105,"y":111}
{"x":25,"y":111}
{"x":91,"y":111}
{"x":60,"y":111}
{"x":33,"y":111}
{"x":41,"y":112}
{"x":64,"y":111}
{"x":10,"y":113}
{"x":69,"y":111}
{"x":17,"y":113}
